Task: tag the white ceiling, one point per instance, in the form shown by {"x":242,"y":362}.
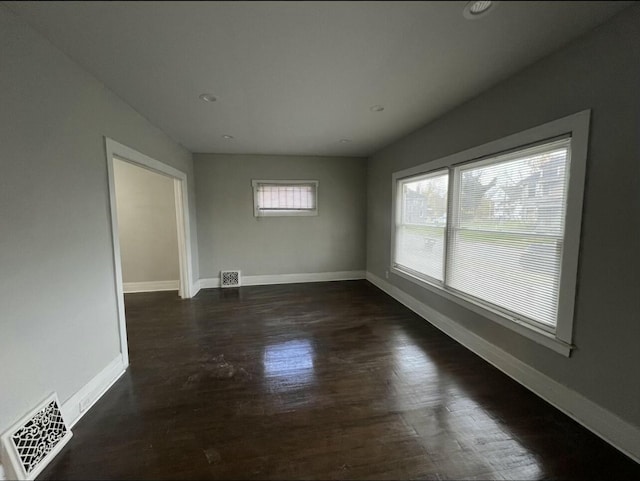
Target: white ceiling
{"x":296,"y":77}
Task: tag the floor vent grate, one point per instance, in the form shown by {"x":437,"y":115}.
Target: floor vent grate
{"x":34,"y":441}
{"x":229,"y":278}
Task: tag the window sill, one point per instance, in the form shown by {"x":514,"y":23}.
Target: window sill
{"x":287,"y":213}
{"x":538,"y":335}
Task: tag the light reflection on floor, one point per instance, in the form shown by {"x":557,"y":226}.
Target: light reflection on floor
{"x":476,"y":430}
{"x":288,"y":366}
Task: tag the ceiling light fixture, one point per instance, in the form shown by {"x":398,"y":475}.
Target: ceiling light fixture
{"x":228,"y":137}
{"x":376,"y":108}
{"x":477,"y":9}
{"x":207,"y":98}
{"x":345,"y":141}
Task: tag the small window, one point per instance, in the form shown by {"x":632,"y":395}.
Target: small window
{"x":285,"y":197}
{"x":496,"y":228}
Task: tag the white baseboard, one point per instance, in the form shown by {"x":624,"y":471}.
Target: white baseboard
{"x":150,"y":286}
{"x":195,"y":288}
{"x":77,"y":405}
{"x":616,"y":431}
{"x":288,"y":278}
{"x":209,"y":283}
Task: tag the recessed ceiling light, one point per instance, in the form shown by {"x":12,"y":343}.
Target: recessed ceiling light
{"x":207,"y":98}
{"x":345,"y":141}
{"x":376,"y":108}
{"x":227,"y":136}
{"x":477,"y":9}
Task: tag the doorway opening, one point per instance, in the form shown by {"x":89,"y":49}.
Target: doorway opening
{"x":119,"y":155}
{"x":147,"y":229}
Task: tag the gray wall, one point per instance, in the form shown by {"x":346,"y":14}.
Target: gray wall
{"x":602,"y":72}
{"x":58,"y":326}
{"x":230,"y":237}
{"x":147,"y":225}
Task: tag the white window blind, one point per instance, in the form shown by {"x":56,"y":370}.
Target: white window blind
{"x":502,"y":244}
{"x":285,"y":198}
{"x":421,"y":223}
{"x":511,"y":234}
{"x":507,"y":236}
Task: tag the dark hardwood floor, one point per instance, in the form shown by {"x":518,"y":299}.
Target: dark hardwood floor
{"x":331,"y":380}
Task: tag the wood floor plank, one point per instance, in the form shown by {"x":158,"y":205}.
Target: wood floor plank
{"x":331,"y":380}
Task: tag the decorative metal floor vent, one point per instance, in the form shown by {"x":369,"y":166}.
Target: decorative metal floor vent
{"x":35,"y":440}
{"x":229,"y":278}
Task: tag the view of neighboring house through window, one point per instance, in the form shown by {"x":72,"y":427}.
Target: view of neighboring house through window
{"x":506,"y":238}
{"x":490,"y":230}
{"x":503,"y":241}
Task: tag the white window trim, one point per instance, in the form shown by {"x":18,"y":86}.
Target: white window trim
{"x":283,"y":213}
{"x":577,"y":126}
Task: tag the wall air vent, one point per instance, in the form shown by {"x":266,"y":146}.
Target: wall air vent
{"x":30,"y":444}
{"x":229,"y":278}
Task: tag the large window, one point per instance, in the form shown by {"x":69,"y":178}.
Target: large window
{"x":507,"y":234}
{"x":496,"y":228}
{"x":285,"y":197}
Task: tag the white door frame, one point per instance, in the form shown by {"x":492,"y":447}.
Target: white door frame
{"x":115,"y":150}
